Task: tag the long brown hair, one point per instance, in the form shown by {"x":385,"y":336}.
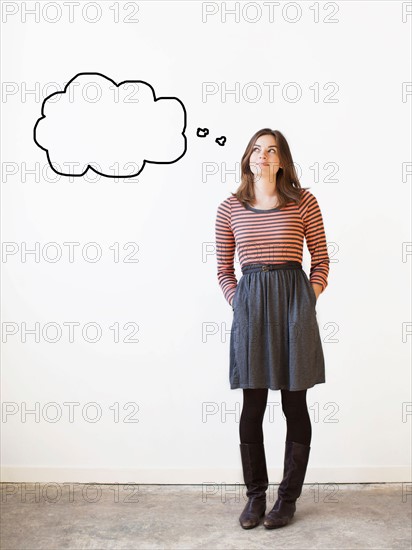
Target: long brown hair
{"x":288,"y":187}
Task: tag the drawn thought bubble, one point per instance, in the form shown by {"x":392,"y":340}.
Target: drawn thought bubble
{"x":112,"y":129}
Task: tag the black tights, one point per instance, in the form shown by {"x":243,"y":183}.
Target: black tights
{"x":294,"y":407}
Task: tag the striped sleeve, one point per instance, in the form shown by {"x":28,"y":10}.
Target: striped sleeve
{"x":225,"y":251}
{"x":316,"y":241}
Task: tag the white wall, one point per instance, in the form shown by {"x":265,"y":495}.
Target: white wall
{"x":178,"y":370}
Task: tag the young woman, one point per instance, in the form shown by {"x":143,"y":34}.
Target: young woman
{"x":275,"y":342}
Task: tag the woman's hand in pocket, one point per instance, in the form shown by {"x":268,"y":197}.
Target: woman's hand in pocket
{"x":317,"y":289}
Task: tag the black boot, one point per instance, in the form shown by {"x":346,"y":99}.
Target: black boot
{"x":290,"y":488}
{"x":256,"y":481}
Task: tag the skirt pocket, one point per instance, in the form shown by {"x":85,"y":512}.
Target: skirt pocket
{"x":313,"y":294}
{"x":310,"y":289}
{"x":234,"y":297}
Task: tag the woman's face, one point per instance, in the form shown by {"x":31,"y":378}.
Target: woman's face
{"x":264,"y":159}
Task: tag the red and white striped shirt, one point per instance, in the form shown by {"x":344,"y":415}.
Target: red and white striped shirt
{"x":269,"y":236}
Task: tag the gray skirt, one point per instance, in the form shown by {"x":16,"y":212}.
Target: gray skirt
{"x":274,"y":339}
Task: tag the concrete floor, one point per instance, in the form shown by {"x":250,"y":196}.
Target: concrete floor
{"x":345,"y":516}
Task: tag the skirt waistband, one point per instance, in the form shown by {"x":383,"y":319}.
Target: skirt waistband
{"x":253,"y":268}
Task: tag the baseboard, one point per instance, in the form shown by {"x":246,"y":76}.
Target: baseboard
{"x":199,"y":476}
